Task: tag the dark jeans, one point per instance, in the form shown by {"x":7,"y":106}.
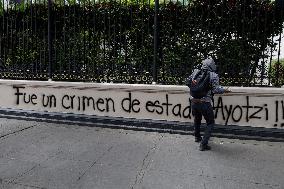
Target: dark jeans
{"x":204,"y":109}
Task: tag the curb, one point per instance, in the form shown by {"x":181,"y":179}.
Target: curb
{"x":229,"y":131}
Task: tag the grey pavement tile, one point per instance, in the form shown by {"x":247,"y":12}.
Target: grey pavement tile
{"x":89,"y":148}
{"x":8,"y":126}
{"x":130,"y":153}
{"x":54,"y":174}
{"x":41,"y":146}
{"x":220,"y":183}
{"x":175,"y":155}
{"x":11,"y":169}
{"x":46,"y":141}
{"x":242,"y":162}
{"x":67,"y":156}
{"x":122,"y":165}
{"x":232,"y":162}
{"x":168,"y":179}
{"x":17,"y":186}
{"x":241,"y":175}
{"x":108,"y":176}
{"x":246,"y":150}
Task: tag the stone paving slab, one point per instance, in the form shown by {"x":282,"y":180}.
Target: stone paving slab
{"x":51,"y":156}
{"x":8,"y":126}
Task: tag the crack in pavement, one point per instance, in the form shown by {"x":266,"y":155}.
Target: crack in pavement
{"x":26,"y":185}
{"x":27,"y":171}
{"x":95,"y":162}
{"x":24,"y":173}
{"x":17,"y":132}
{"x":214,"y":177}
{"x":145,"y":163}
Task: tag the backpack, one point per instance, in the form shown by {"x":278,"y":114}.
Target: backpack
{"x":202,"y":85}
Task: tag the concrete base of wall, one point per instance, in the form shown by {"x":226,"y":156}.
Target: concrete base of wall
{"x":232,"y":131}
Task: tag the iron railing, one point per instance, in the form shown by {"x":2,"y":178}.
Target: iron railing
{"x":142,"y":41}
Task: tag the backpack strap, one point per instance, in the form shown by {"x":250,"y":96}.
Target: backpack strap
{"x":195,"y":72}
{"x":212,"y":94}
{"x":211,"y":75}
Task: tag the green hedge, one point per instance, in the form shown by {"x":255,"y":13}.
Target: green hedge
{"x":90,"y":34}
{"x":276,"y":72}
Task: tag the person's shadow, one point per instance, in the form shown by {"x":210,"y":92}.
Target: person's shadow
{"x":227,"y":149}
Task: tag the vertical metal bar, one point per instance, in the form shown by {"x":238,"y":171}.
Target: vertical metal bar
{"x":89,"y":71}
{"x":63,"y":60}
{"x":149,"y":31}
{"x":75,"y":50}
{"x":1,"y":28}
{"x":6,"y":49}
{"x":142,"y":63}
{"x":79,"y":50}
{"x":94,"y":42}
{"x":32,"y":63}
{"x":264,"y":74}
{"x":125,"y":40}
{"x":156,"y":40}
{"x":37,"y":40}
{"x":114,"y":44}
{"x":109,"y":46}
{"x":69,"y":36}
{"x":1,"y":35}
{"x":83,"y":67}
{"x":278,"y":60}
{"x":49,"y":42}
{"x":270,"y":63}
{"x":120,"y":34}
{"x":7,"y":31}
{"x":104,"y":34}
{"x":54,"y":49}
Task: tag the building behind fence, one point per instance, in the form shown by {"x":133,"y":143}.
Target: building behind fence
{"x":142,"y":41}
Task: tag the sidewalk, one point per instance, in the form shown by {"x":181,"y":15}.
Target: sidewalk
{"x":59,"y":156}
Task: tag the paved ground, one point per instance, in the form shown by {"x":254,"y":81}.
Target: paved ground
{"x":45,"y":155}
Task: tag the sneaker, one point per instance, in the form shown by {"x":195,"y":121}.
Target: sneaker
{"x":204,"y":147}
{"x":198,"y":139}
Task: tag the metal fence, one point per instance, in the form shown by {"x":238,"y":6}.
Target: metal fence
{"x":142,"y":41}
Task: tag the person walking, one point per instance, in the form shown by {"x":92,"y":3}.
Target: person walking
{"x":203,"y":84}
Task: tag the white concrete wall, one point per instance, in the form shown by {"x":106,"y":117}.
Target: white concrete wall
{"x":259,"y":107}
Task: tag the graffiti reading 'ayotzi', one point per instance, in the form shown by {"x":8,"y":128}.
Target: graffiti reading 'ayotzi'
{"x":240,"y":112}
{"x":164,"y":106}
{"x":248,"y":112}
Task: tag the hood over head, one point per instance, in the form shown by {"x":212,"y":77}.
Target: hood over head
{"x":208,"y":64}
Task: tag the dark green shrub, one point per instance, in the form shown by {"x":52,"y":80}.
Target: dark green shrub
{"x":276,"y":73}
{"x":93,"y":39}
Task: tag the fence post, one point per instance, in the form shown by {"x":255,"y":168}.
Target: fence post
{"x":280,"y":8}
{"x":49,"y":40}
{"x":156,"y":41}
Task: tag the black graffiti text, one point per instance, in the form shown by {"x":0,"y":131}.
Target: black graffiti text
{"x":81,"y":103}
{"x":277,"y":110}
{"x":24,"y":97}
{"x":130,"y":104}
{"x":48,"y":101}
{"x":239,"y":112}
{"x":165,"y":107}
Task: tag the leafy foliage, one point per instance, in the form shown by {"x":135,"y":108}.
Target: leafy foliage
{"x":115,"y":38}
{"x":276,"y":72}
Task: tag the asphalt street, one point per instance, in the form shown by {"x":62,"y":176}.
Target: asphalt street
{"x":58,"y":156}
